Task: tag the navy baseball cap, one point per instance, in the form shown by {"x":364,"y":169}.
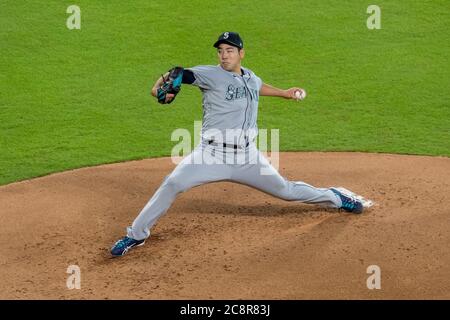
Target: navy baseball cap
{"x":232,"y":38}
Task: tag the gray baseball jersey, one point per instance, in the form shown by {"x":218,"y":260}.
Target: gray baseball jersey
{"x":230,"y":102}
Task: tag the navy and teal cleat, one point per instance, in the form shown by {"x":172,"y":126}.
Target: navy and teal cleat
{"x":350,"y":202}
{"x":122,"y":246}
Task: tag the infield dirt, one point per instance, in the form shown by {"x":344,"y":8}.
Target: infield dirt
{"x":228,"y":241}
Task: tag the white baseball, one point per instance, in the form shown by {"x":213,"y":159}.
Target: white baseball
{"x":300,"y":94}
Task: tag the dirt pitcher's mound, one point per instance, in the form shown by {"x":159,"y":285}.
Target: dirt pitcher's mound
{"x":228,"y":241}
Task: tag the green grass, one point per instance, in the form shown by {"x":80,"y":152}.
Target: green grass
{"x":73,"y":98}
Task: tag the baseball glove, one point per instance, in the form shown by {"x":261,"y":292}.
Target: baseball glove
{"x":172,"y":84}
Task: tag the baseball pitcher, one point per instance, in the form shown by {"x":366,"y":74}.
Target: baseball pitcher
{"x":227,"y":151}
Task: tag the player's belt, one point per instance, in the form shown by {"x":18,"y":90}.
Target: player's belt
{"x":227,"y":145}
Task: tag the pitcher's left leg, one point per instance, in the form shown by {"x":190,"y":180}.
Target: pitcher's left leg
{"x":273,"y":183}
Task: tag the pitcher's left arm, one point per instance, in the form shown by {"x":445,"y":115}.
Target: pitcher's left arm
{"x":268,"y":90}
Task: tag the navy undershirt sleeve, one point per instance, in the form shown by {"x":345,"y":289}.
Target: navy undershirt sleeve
{"x":188,"y":77}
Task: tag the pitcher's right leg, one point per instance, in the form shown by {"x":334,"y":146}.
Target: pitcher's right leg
{"x":189,"y":173}
{"x":185,"y":176}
